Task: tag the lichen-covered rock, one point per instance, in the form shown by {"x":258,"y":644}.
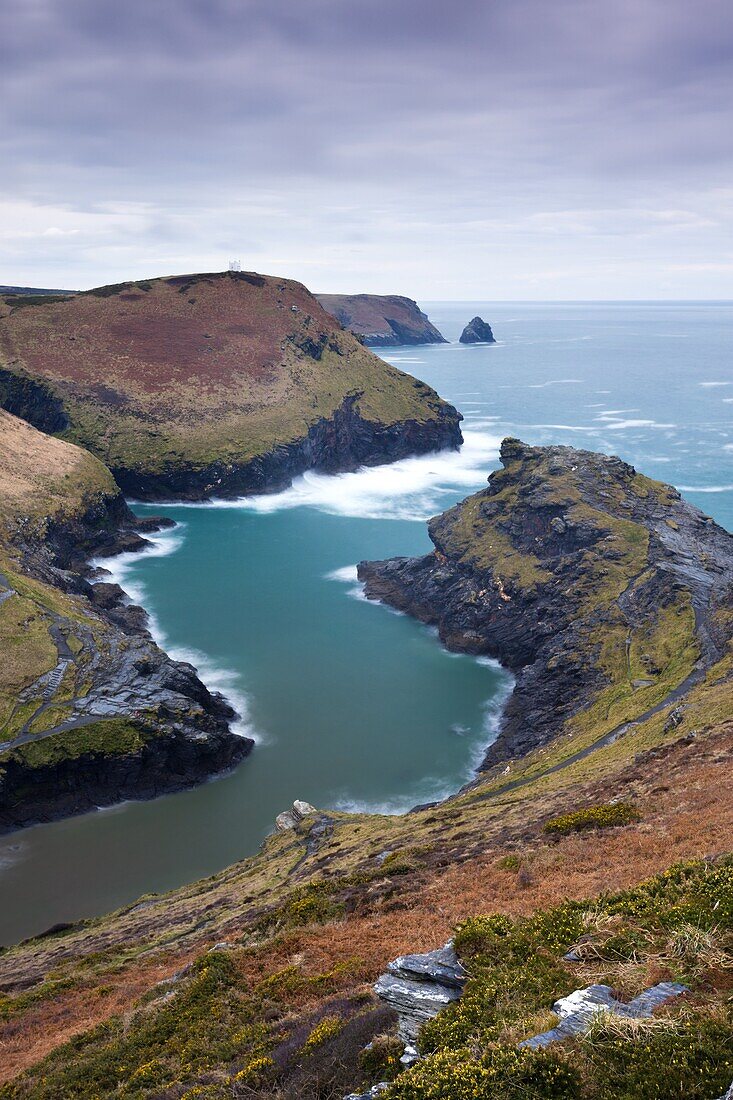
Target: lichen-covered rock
{"x":417,"y":987}
{"x":579,"y":1010}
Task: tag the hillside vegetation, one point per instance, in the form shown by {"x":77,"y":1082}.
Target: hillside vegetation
{"x":257,"y":982}
{"x":219,"y":383}
{"x":91,"y":711}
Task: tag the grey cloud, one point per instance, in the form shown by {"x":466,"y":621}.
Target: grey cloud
{"x":487,"y":108}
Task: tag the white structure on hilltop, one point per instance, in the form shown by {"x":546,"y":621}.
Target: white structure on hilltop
{"x":235,"y":265}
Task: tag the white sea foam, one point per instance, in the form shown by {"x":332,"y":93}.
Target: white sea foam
{"x":347,"y":575}
{"x":711,"y":384}
{"x":555,"y":382}
{"x":410,"y":489}
{"x":120,"y":570}
{"x":705,"y":488}
{"x":432,"y":788}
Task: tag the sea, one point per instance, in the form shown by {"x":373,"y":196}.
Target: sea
{"x":352,"y":706}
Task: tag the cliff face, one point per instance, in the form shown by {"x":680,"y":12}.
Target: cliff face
{"x":603,"y":591}
{"x":211,"y":384}
{"x":91,"y":710}
{"x":382,"y":320}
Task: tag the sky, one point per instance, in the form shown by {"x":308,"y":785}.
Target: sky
{"x":460,"y":149}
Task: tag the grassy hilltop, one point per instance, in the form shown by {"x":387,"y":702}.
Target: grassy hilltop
{"x":223,"y":383}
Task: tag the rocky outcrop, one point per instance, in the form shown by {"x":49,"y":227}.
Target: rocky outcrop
{"x":95,"y":711}
{"x":223,"y":384}
{"x":344,"y":441}
{"x":290,"y":819}
{"x":582,"y":577}
{"x":477,"y":331}
{"x":417,"y":987}
{"x":382,"y":320}
{"x":579,"y":1010}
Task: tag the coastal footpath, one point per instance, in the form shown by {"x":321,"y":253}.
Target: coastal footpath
{"x":598,"y":859}
{"x":206,"y":385}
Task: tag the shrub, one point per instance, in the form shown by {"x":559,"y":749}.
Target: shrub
{"x":380,"y":1061}
{"x":605,"y":816}
{"x":502,"y":1074}
{"x":693,"y":1060}
{"x":509,"y":863}
{"x":328,"y":1028}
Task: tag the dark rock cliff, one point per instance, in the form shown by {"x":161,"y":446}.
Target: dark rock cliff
{"x":604,"y":592}
{"x":477,"y":331}
{"x":342,"y":442}
{"x":116,"y":718}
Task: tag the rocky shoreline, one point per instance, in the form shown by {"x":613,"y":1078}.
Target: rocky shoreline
{"x":581,"y":577}
{"x":337,"y":444}
{"x":166,"y":730}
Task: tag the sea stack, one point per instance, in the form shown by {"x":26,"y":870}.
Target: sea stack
{"x":477,"y":331}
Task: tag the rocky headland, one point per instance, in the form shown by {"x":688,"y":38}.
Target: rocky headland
{"x":477,"y":331}
{"x":604,"y":592}
{"x":588,"y":873}
{"x":92,"y":711}
{"x":382,"y":320}
{"x":216,"y":384}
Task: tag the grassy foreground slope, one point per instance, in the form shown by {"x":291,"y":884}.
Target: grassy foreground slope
{"x":218,"y":383}
{"x":257,"y":981}
{"x":89,"y":712}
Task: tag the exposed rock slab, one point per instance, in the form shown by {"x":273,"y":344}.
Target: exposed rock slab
{"x":580,"y":1009}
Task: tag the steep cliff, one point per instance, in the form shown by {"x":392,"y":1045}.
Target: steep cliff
{"x":382,"y":320}
{"x":91,"y":710}
{"x":218,"y":384}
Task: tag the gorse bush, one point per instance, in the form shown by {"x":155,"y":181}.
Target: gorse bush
{"x":593,"y":817}
{"x":506,"y":1073}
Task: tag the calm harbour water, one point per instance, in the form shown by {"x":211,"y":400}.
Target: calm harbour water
{"x":352,"y":705}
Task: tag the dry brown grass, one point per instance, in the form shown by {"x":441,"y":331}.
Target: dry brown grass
{"x":689,"y":813}
{"x":40,"y":474}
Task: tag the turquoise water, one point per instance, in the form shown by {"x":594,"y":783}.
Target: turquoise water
{"x":351,"y":704}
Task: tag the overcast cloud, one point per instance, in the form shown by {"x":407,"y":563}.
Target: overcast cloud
{"x":461,"y":149}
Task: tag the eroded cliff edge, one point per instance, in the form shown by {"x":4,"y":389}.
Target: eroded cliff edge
{"x":220,"y":384}
{"x":604,"y":592}
{"x":92,"y":711}
{"x":382,"y":320}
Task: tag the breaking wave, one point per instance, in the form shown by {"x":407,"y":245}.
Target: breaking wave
{"x":409,"y":489}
